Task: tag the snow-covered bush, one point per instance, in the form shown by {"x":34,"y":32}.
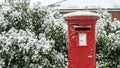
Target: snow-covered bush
{"x":108,"y":41}
{"x":31,"y":37}
{"x":22,"y":48}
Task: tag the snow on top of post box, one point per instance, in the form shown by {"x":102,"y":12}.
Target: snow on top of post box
{"x":81,"y":13}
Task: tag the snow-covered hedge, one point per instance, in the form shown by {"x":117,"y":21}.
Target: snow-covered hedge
{"x":108,"y":41}
{"x":31,"y":37}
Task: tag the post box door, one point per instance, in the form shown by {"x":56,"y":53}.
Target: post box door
{"x":82,"y":47}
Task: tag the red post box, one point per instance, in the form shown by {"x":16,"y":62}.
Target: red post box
{"x":81,"y":39}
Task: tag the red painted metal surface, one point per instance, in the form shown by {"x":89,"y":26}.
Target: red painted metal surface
{"x":80,"y":55}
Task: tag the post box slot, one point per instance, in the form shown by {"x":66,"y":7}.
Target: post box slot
{"x":82,"y":28}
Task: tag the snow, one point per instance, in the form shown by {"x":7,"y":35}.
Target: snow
{"x":44,"y":2}
{"x":91,"y":4}
{"x":48,"y":2}
{"x":81,"y":13}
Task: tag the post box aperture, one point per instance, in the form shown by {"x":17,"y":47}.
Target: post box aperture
{"x":82,"y":28}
